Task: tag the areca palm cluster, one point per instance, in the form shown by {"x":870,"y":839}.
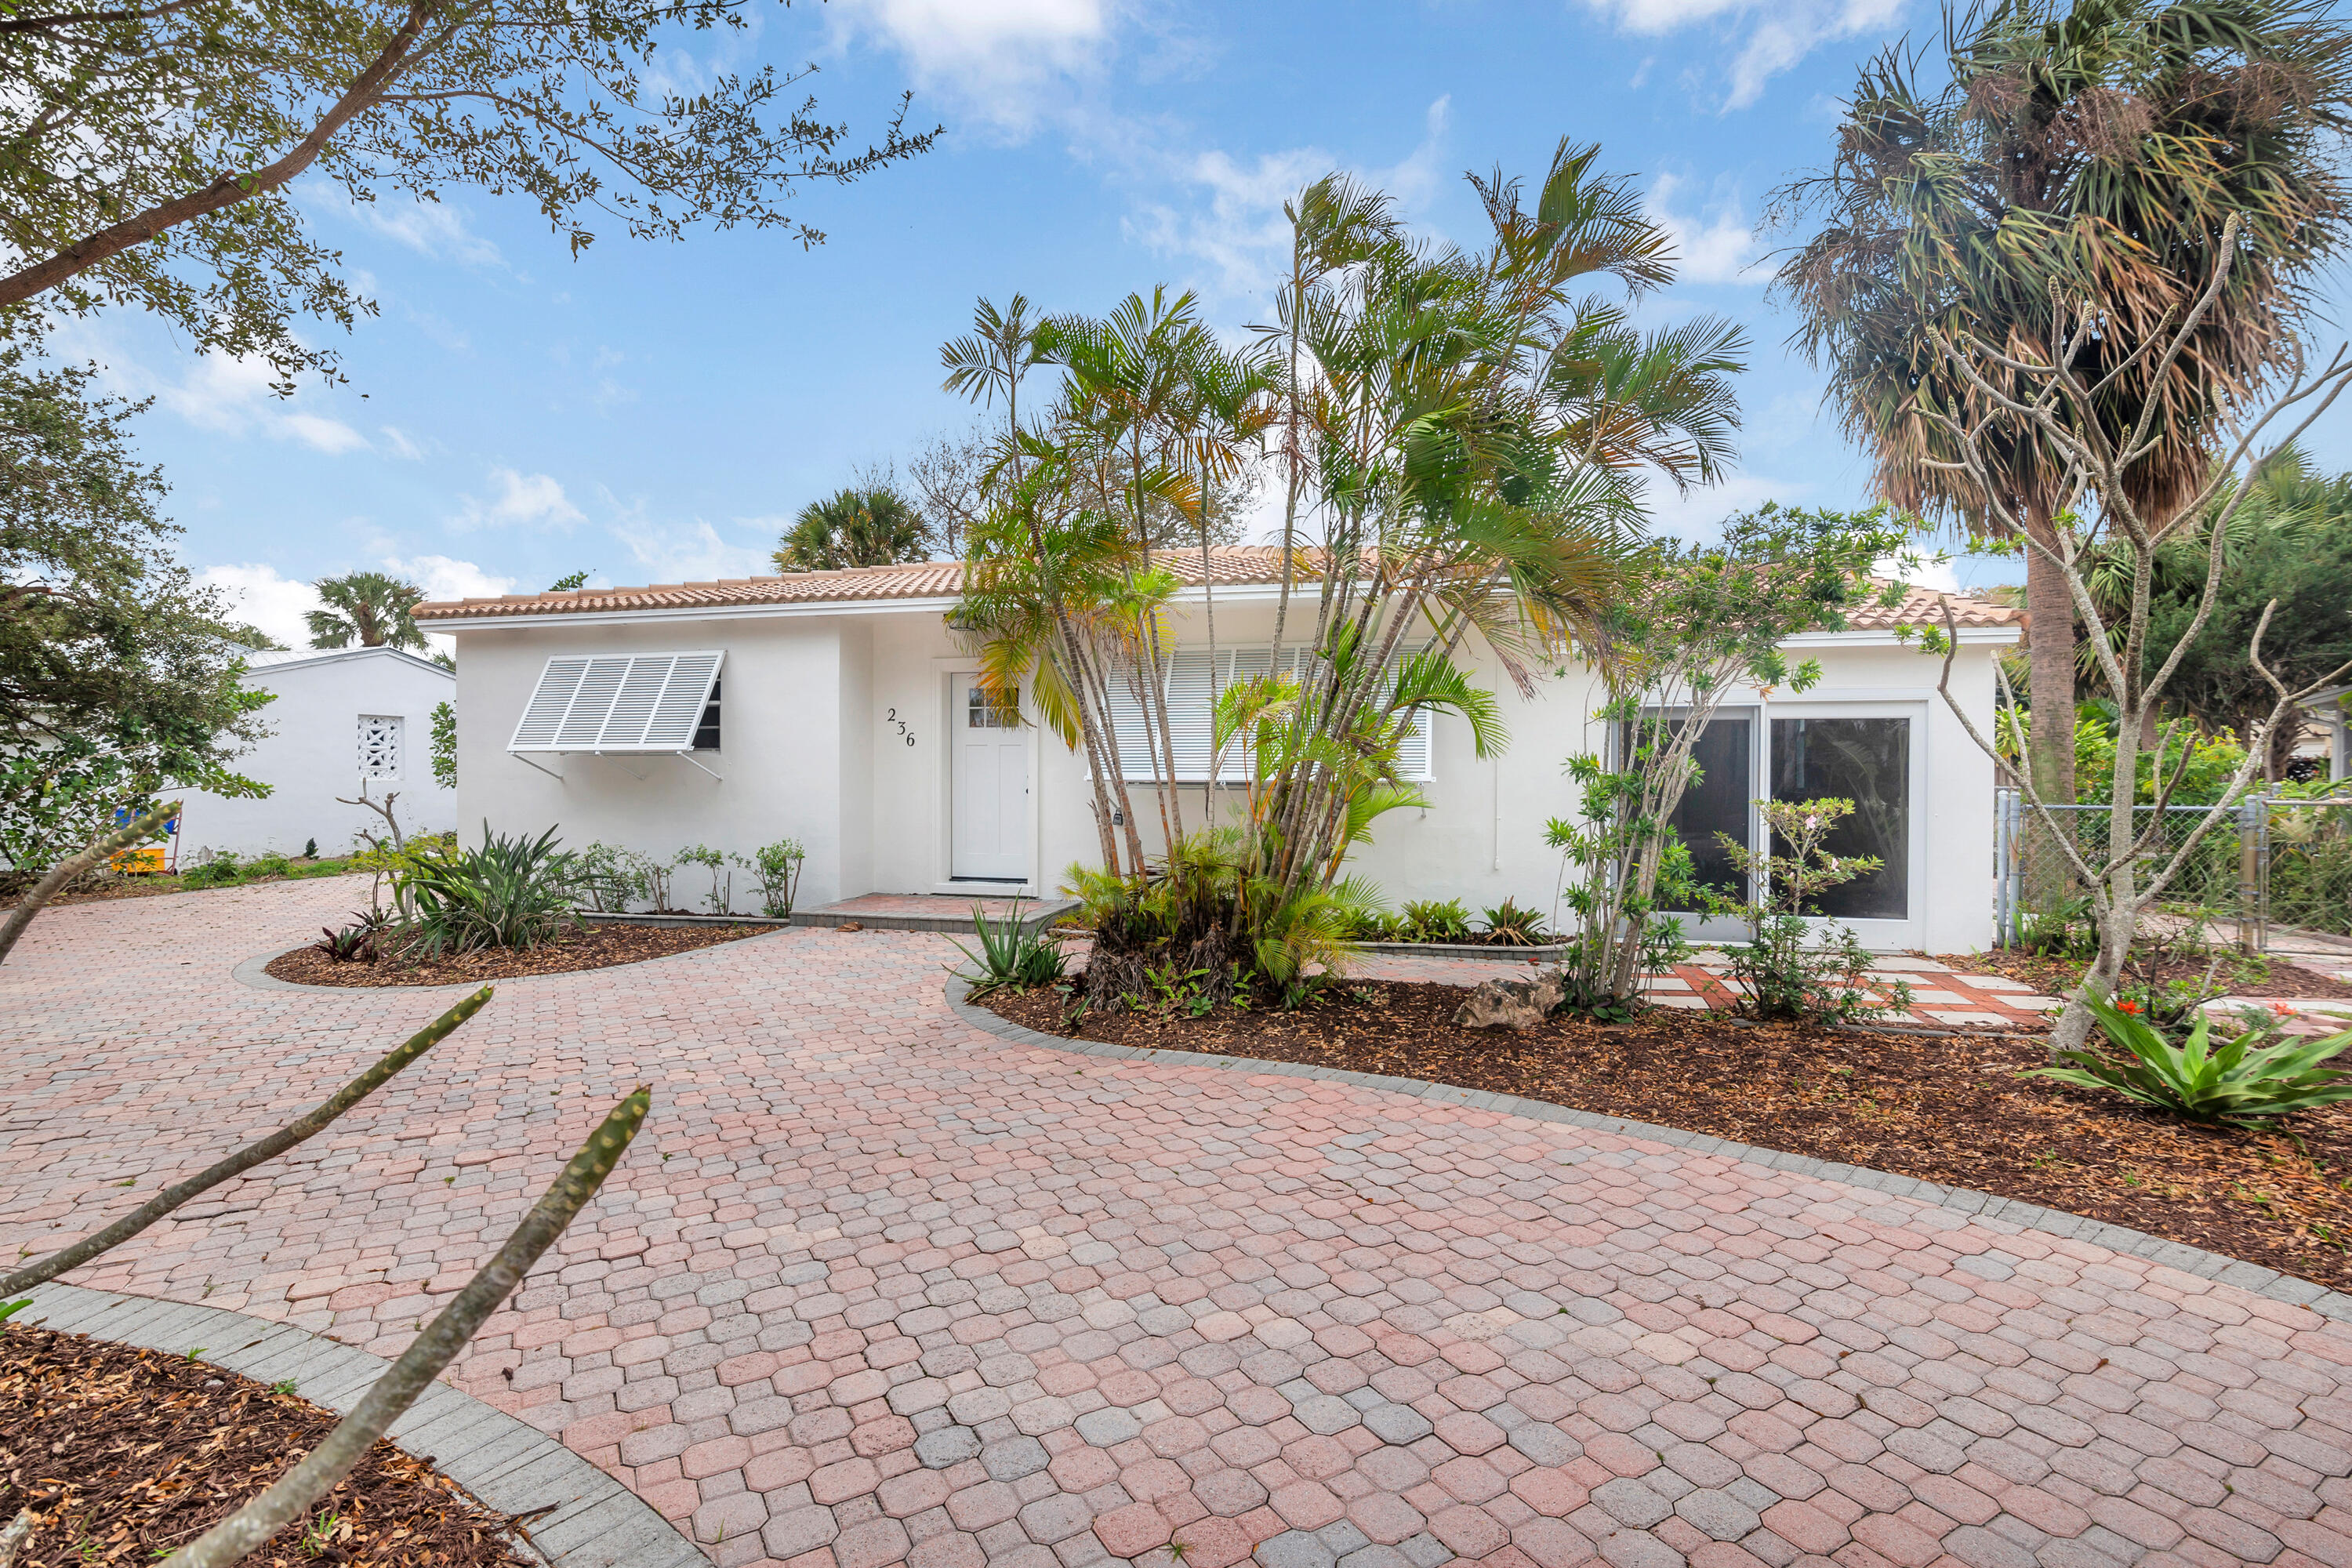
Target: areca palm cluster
{"x":1459,"y":438}
{"x":2085,"y":157}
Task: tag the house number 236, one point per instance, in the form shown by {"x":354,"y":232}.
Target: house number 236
{"x":890,"y":716}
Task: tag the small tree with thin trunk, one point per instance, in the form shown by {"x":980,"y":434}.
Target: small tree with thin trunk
{"x":2059,"y":400}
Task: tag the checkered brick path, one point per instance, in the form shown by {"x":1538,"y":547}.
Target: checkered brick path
{"x":875,"y":1286}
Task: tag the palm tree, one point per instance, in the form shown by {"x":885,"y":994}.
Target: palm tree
{"x":858,"y":526}
{"x":368,"y":608}
{"x":2093,"y":154}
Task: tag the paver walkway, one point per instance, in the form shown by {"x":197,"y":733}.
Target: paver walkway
{"x":876,"y":1287}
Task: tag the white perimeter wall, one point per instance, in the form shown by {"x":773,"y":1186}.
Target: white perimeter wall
{"x":311,"y":756}
{"x":812,"y":747}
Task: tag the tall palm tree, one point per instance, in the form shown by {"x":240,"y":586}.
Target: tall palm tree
{"x":369,"y":608}
{"x":2093,"y":154}
{"x":858,"y":526}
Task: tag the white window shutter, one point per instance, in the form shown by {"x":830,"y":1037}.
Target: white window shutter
{"x":671,"y":728}
{"x":1188,"y":712}
{"x":641,"y":689}
{"x":617,"y":703}
{"x":549,"y":703}
{"x":599,"y":684}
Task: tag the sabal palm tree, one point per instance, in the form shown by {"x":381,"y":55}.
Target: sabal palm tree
{"x":2091,"y":154}
{"x":858,"y":526}
{"x":369,"y":608}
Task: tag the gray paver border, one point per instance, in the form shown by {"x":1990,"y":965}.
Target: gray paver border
{"x":509,"y":1466}
{"x":1994,"y":1212}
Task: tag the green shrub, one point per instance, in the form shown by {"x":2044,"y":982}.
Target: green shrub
{"x":778,"y":869}
{"x":221,"y":868}
{"x":1200,"y":910}
{"x":609,"y":879}
{"x":1792,"y":971}
{"x":721,"y":898}
{"x":509,"y":892}
{"x":1012,"y":957}
{"x":1432,"y":921}
{"x":271,"y":864}
{"x":2254,"y":1077}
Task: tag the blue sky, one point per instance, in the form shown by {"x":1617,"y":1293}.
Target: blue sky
{"x":653,"y":413}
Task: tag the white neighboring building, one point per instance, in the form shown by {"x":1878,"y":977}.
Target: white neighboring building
{"x":342,"y":717}
{"x":834,"y":707}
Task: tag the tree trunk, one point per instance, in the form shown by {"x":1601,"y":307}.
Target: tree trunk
{"x":2050,"y":685}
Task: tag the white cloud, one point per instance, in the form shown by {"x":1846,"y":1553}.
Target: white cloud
{"x":1234,"y":224}
{"x":999,"y":58}
{"x":687,"y":552}
{"x":1718,"y":246}
{"x":232,"y":396}
{"x":1700,"y":515}
{"x":259,"y":596}
{"x":398,"y":443}
{"x":431,"y":228}
{"x":329,"y":436}
{"x":443,"y":578}
{"x":1777,"y":34}
{"x":1925,"y":572}
{"x":529,"y":501}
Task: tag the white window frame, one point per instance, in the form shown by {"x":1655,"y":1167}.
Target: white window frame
{"x":1186,"y":672}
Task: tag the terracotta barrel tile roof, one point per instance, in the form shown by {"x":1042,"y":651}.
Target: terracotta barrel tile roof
{"x":1234,"y":565}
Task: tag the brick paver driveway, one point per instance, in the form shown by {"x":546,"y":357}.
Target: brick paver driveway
{"x":875,"y":1286}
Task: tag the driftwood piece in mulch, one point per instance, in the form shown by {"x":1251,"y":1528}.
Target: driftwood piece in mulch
{"x":2238,"y":976}
{"x":598,"y":947}
{"x":125,"y":1455}
{"x":1948,"y":1110}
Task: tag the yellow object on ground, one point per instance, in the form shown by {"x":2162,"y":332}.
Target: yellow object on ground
{"x":146,"y":858}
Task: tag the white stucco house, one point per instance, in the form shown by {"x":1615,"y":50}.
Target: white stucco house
{"x":836,"y":706}
{"x":341,"y":718}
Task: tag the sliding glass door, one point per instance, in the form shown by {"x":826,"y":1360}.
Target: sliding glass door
{"x":1864,"y":753}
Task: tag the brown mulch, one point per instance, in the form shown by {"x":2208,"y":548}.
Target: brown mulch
{"x":2241,"y":976}
{"x":1948,"y":1110}
{"x":125,"y":1455}
{"x":598,"y":947}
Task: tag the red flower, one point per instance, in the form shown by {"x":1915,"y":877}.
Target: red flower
{"x":2127,"y":1006}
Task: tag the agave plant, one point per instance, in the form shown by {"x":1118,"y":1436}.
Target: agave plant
{"x":510,"y":892}
{"x":2254,"y":1077}
{"x":1012,"y":957}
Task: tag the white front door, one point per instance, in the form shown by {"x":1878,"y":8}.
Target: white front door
{"x":989,"y":829}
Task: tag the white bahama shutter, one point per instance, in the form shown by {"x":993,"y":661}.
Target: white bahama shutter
{"x":617,"y":703}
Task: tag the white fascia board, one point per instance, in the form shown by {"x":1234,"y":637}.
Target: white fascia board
{"x":1994,"y":636}
{"x":694,"y":612}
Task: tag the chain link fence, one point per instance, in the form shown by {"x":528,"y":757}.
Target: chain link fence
{"x":2268,"y":864}
{"x":2306,"y":854}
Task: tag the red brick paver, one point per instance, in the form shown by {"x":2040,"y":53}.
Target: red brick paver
{"x":876,"y":1288}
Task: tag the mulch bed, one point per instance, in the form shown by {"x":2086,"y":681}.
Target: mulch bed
{"x":125,"y":1455}
{"x":2241,"y":976}
{"x":1948,"y":1110}
{"x":598,"y":947}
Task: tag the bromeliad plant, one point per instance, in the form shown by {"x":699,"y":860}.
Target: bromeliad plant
{"x":2255,"y":1077}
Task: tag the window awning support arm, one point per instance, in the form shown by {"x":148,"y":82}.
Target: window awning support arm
{"x":526,"y":762}
{"x":687,"y":757}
